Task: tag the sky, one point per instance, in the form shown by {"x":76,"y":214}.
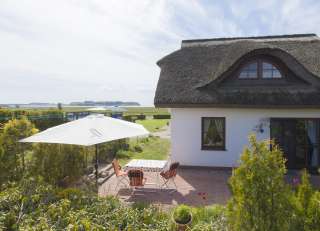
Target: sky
{"x":104,"y":50}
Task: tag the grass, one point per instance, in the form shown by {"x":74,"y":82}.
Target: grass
{"x":151,"y":148}
{"x":153,"y":125}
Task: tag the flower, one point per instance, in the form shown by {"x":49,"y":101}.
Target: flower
{"x":295,"y":181}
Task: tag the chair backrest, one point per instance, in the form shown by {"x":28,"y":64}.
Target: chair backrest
{"x":135,"y":177}
{"x":172,"y":172}
{"x":116,"y":167}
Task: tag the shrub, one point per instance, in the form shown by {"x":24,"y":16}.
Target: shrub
{"x":260,"y":198}
{"x":182,"y":214}
{"x":58,"y":163}
{"x":141,"y":117}
{"x":138,"y":148}
{"x":12,"y":152}
{"x":24,"y":207}
{"x":306,"y":206}
{"x":162,"y":116}
{"x":42,"y":119}
{"x":209,"y":218}
{"x":128,"y":118}
{"x":107,"y":151}
{"x":313,"y":213}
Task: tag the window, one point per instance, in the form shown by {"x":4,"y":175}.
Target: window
{"x":213,"y":133}
{"x":250,"y":71}
{"x":260,"y":69}
{"x":269,"y":71}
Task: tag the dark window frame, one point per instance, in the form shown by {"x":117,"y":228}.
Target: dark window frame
{"x":260,"y":62}
{"x":217,"y":148}
{"x":295,"y":119}
{"x":244,"y":66}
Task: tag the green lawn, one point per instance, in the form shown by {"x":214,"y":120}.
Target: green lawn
{"x":152,"y":148}
{"x":153,"y":125}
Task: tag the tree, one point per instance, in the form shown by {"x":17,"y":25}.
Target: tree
{"x":55,"y":162}
{"x":306,"y":206}
{"x":59,"y":106}
{"x":12,"y":157}
{"x":260,"y":198}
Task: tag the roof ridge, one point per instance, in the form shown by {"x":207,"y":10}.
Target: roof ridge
{"x":251,"y":37}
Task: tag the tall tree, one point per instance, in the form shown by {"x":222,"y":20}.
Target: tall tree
{"x":13,"y":152}
{"x":261,"y":199}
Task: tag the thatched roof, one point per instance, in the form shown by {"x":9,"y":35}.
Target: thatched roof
{"x":191,"y":76}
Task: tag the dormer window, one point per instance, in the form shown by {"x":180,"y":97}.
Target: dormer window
{"x":269,"y":71}
{"x":260,"y":69}
{"x":250,"y":71}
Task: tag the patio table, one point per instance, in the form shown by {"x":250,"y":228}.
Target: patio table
{"x":147,"y":166}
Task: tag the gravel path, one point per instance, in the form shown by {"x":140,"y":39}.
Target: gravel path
{"x":164,"y":133}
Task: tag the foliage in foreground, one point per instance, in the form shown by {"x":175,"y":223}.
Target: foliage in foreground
{"x":262,"y":200}
{"x":33,"y":206}
{"x":12,"y":153}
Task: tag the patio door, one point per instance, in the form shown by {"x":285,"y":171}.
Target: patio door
{"x":299,"y":140}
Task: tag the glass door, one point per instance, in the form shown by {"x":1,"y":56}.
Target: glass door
{"x":299,"y":140}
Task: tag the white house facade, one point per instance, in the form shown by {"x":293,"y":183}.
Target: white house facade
{"x":186,"y":129}
{"x":222,"y":90}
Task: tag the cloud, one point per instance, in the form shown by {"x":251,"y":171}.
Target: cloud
{"x":71,"y":50}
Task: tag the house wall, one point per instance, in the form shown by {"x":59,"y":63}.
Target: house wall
{"x":186,"y":132}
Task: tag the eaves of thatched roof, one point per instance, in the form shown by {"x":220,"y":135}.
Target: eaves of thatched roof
{"x":186,"y":74}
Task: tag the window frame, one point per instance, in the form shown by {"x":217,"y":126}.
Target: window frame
{"x":260,"y":62}
{"x":217,"y":148}
{"x":247,"y":64}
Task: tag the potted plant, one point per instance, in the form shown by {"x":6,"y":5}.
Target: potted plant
{"x":182,"y":217}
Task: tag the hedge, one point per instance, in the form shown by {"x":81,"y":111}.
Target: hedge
{"x":133,"y":118}
{"x":42,"y":119}
{"x":161,"y":116}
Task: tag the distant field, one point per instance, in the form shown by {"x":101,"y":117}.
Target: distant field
{"x":130,"y":110}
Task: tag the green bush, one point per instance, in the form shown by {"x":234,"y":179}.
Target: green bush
{"x":209,"y":218}
{"x":162,"y":116}
{"x":38,"y":206}
{"x":260,"y":197}
{"x":182,"y":214}
{"x":58,"y":164}
{"x":306,"y":206}
{"x":129,"y":118}
{"x":313,"y":212}
{"x":141,"y":117}
{"x":42,"y":119}
{"x":137,"y":148}
{"x":12,"y":153}
{"x":108,"y":151}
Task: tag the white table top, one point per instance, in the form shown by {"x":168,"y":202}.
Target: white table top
{"x":146,"y":165}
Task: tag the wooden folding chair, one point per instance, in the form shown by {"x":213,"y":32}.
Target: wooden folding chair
{"x":169,"y":175}
{"x":120,"y":175}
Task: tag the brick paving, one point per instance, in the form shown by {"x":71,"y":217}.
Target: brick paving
{"x":190,"y":182}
